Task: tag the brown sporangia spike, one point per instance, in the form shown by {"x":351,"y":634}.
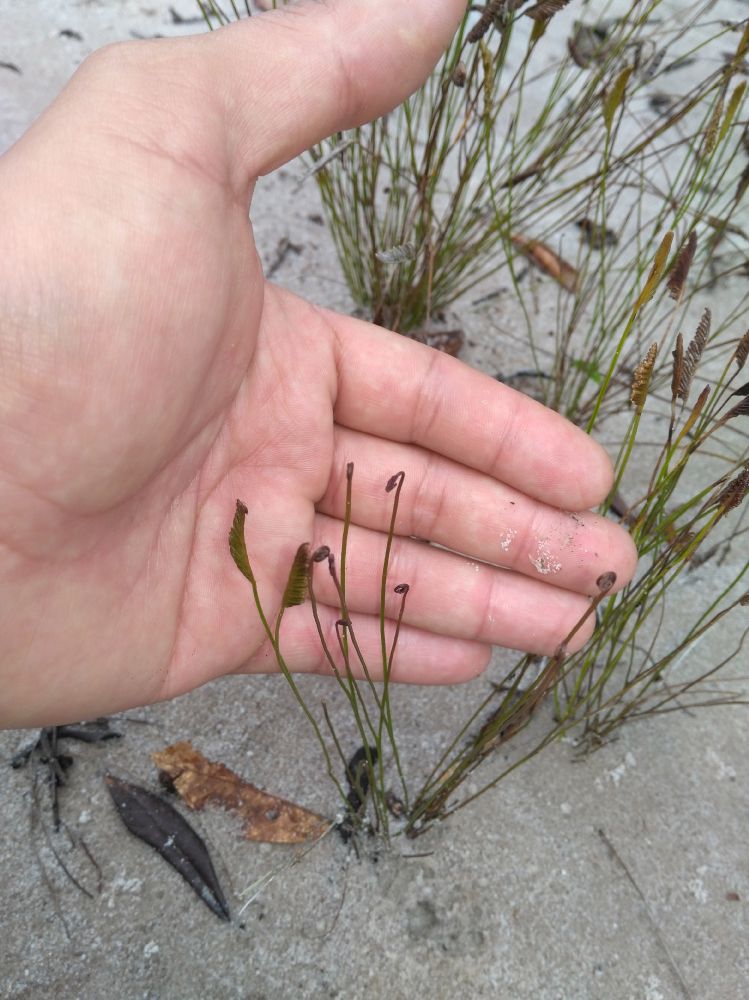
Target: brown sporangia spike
{"x":740,"y":410}
{"x":545,"y":9}
{"x":491,"y":13}
{"x":677,"y":279}
{"x":693,"y":355}
{"x":678,"y":370}
{"x":732,"y":495}
{"x":641,"y":378}
{"x":742,"y":351}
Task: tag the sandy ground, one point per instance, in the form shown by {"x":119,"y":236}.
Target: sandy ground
{"x":518,"y":897}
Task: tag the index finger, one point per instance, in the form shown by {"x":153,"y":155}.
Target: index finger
{"x":400,"y":390}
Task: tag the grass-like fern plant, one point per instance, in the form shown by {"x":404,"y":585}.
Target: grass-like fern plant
{"x":616,"y":164}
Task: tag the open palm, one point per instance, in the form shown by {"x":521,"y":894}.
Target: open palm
{"x":149,"y":377}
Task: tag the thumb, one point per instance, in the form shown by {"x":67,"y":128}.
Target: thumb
{"x":291,"y":77}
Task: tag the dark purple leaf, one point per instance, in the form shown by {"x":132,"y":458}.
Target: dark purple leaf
{"x":88,"y":732}
{"x":357,"y":777}
{"x":159,"y":824}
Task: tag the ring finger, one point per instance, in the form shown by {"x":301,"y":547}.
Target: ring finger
{"x":475,"y":514}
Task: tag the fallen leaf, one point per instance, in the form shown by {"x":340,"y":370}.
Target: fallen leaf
{"x":596,"y":235}
{"x":590,"y":43}
{"x":88,"y":732}
{"x":398,"y":254}
{"x":447,"y":341}
{"x":48,"y":749}
{"x":549,"y":261}
{"x":202,"y":782}
{"x":158,"y":824}
{"x":357,"y":778}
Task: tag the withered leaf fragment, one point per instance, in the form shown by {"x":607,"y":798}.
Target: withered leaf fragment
{"x":459,"y":75}
{"x":596,"y":235}
{"x":357,"y":778}
{"x":549,"y":261}
{"x":397,"y":254}
{"x":448,"y":341}
{"x":159,"y":824}
{"x":48,"y":749}
{"x":588,"y":44}
{"x":95,"y":731}
{"x":545,"y":9}
{"x":201,"y":782}
{"x":46,"y":742}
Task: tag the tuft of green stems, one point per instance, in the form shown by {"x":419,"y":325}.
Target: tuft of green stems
{"x":506,"y":160}
{"x":370,"y":705}
{"x":475,"y":158}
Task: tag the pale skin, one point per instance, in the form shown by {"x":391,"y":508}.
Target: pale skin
{"x":149,"y":377}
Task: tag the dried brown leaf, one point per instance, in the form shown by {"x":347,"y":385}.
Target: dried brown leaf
{"x":596,"y":235}
{"x":459,"y":75}
{"x":588,"y":44}
{"x":266,"y":817}
{"x":549,"y":261}
{"x":158,"y":824}
{"x":446,"y":341}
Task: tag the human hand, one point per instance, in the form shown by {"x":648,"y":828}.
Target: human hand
{"x":149,"y":377}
